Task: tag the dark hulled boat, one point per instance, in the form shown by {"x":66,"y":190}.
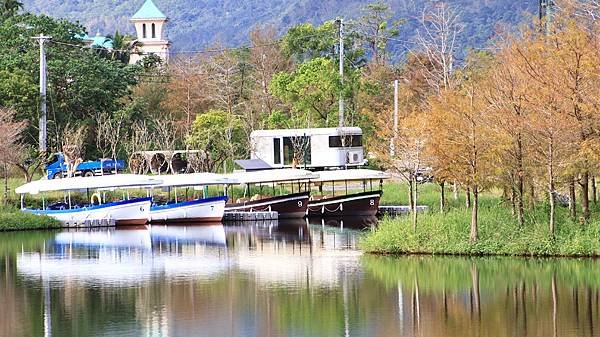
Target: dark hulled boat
{"x":364,"y":203}
{"x":288,"y":205}
{"x":355,"y":204}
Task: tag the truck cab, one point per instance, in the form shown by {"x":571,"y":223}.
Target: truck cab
{"x":56,"y":167}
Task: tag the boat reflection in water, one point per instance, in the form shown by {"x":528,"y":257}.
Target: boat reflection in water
{"x":127,"y":255}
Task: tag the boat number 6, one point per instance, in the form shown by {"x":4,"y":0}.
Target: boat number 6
{"x":299,"y":203}
{"x":372,"y":202}
{"x":141,"y":208}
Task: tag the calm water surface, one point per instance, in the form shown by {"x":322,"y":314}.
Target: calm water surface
{"x":286,"y":279}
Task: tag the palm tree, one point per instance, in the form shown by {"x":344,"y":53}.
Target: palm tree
{"x":123,"y":46}
{"x":9,"y":8}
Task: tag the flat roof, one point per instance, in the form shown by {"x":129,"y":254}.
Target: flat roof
{"x":307,"y":132}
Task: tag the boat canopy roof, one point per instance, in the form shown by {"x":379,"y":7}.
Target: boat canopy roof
{"x":196,"y":179}
{"x":351,"y":175}
{"x":107,"y":182}
{"x":271,"y":176}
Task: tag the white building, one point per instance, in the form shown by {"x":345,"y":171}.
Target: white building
{"x":149,"y":24}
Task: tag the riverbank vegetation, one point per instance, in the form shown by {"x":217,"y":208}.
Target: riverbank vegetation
{"x":12,"y":219}
{"x":500,"y":232}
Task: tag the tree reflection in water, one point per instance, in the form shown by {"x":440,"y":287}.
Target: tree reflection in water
{"x":278,"y":279}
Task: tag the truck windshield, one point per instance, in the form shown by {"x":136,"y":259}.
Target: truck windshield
{"x":53,"y":159}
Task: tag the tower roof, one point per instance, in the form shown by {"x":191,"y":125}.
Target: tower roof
{"x":149,"y":11}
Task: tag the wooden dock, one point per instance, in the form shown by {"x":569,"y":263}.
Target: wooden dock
{"x":399,"y":210}
{"x":250,"y":216}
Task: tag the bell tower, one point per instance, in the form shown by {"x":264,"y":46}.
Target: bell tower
{"x":149,"y":24}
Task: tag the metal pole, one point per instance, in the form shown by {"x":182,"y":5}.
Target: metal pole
{"x":341,"y":51}
{"x":395,"y":137}
{"x":43,"y":134}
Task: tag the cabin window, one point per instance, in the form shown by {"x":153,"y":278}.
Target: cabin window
{"x":276,"y":150}
{"x":153,"y":31}
{"x":345,"y":141}
{"x":144,"y":31}
{"x":299,"y":145}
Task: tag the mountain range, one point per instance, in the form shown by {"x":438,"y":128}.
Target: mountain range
{"x":198,"y":24}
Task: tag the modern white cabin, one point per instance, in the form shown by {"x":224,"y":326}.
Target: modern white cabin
{"x":314,"y":148}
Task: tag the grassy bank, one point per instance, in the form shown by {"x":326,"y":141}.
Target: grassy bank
{"x":13,"y":219}
{"x":499,"y":232}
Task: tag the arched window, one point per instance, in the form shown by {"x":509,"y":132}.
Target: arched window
{"x":143,"y":31}
{"x":153,"y":31}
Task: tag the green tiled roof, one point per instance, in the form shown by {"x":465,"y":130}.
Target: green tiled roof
{"x":149,"y":11}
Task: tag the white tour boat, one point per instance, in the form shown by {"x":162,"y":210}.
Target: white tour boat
{"x":202,"y":209}
{"x":98,"y":212}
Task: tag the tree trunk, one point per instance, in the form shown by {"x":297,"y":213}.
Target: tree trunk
{"x":442,"y":197}
{"x":584,"y":182}
{"x":520,"y":200}
{"x":415,"y":198}
{"x":513,"y":201}
{"x":468,"y":198}
{"x":5,"y":184}
{"x":410,"y":193}
{"x":552,"y":198}
{"x":531,"y":196}
{"x":455,"y":190}
{"x":572,"y":199}
{"x":474,"y":214}
{"x":594,"y":195}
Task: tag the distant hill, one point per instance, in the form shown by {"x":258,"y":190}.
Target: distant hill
{"x":195,"y":24}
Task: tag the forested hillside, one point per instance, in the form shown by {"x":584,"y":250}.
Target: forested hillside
{"x":196,"y":24}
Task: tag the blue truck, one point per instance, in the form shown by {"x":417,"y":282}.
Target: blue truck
{"x":57,"y":168}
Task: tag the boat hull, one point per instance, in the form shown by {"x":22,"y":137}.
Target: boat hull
{"x":287,"y":206}
{"x":126,"y":212}
{"x":198,"y":210}
{"x":357,"y":204}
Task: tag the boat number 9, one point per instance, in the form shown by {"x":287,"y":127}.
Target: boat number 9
{"x":372,"y":202}
{"x":299,"y":203}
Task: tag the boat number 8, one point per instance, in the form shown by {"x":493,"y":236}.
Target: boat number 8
{"x":372,"y":202}
{"x":299,"y":203}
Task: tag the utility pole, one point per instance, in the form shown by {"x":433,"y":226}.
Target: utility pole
{"x":395,"y":137}
{"x":341,"y":52}
{"x":43,"y":134}
{"x":546,"y":13}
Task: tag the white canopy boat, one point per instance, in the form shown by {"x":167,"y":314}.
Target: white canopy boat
{"x":98,"y":212}
{"x":288,"y":205}
{"x":365,"y":203}
{"x":203,"y":209}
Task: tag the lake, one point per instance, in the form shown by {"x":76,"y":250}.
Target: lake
{"x":278,"y":279}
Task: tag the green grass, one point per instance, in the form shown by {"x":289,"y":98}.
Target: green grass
{"x":13,"y":219}
{"x":499,"y":233}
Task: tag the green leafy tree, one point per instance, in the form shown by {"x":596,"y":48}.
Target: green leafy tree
{"x":81,"y":83}
{"x":312,"y":91}
{"x":9,"y":8}
{"x":219,"y":135}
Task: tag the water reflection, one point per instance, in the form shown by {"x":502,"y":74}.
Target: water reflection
{"x":278,"y":279}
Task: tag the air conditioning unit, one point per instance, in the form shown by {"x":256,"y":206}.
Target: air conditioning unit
{"x":353,"y":157}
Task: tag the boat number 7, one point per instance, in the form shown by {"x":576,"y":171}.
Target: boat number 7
{"x":372,"y":202}
{"x":299,"y":203}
